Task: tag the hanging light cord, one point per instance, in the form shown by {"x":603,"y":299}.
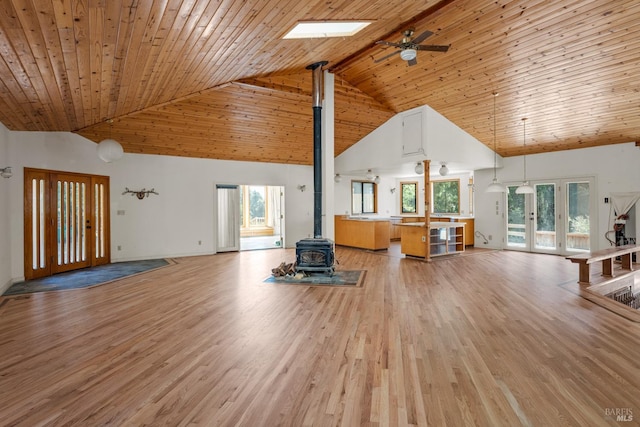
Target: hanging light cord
{"x":495,"y":154}
{"x":524,"y":140}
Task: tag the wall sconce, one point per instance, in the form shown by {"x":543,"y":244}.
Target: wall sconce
{"x":337,"y":178}
{"x":444,"y":170}
{"x":376,"y":179}
{"x":6,"y":172}
{"x":393,"y":190}
{"x":140,"y":194}
{"x":419,"y":168}
{"x":302,"y":187}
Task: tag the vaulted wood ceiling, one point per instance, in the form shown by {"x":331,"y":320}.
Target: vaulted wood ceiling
{"x":215,"y":79}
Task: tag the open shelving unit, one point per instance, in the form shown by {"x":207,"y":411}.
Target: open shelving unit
{"x":446,"y":239}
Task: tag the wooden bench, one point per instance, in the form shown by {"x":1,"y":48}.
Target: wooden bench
{"x":606,"y":256}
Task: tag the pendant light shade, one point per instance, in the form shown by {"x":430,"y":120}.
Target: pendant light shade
{"x":370,"y":175}
{"x":524,"y":188}
{"x":495,"y":186}
{"x":337,"y":178}
{"x":110,"y":150}
{"x":444,"y":170}
{"x":419,"y":168}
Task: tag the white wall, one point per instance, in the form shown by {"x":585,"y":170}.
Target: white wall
{"x":442,"y":141}
{"x":614,"y":167}
{"x":168,"y":225}
{"x":5,"y":225}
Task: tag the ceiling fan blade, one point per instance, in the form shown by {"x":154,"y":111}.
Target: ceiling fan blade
{"x":386,"y":57}
{"x":386,"y":43}
{"x":411,"y":62}
{"x":432,"y":47}
{"x":422,"y":37}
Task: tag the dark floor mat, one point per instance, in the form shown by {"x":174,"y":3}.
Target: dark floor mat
{"x":85,"y":277}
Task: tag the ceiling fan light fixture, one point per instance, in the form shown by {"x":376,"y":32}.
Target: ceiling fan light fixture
{"x":408,"y":54}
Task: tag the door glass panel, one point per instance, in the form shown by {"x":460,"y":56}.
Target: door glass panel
{"x":545,"y":224}
{"x":516,"y":218}
{"x":578,"y":225}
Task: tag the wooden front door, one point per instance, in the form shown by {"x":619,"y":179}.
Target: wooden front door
{"x":66,"y":222}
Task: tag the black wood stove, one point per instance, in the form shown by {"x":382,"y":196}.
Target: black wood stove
{"x":316,"y":254}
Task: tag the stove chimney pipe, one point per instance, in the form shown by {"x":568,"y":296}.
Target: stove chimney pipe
{"x":316,"y":69}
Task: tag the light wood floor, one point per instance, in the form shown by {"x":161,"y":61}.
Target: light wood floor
{"x":491,"y":339}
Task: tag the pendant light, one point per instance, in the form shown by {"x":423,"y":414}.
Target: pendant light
{"x":524,"y":188}
{"x":419,"y":168}
{"x":444,"y":170}
{"x":109,"y":150}
{"x":495,"y":186}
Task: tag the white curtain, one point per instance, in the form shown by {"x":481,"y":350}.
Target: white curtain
{"x":228,"y":218}
{"x":623,"y":202}
{"x":273,"y":197}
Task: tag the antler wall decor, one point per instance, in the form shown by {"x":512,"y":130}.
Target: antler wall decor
{"x":140,"y":194}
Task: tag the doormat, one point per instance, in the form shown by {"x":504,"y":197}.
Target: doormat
{"x":85,"y":277}
{"x":354,"y":278}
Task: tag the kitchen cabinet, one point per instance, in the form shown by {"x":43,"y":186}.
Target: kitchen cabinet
{"x":363,"y":233}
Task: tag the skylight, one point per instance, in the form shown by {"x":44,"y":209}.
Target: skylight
{"x":323,"y":29}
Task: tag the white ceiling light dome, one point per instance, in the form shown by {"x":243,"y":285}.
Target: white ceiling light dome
{"x":370,"y":175}
{"x":408,"y":54}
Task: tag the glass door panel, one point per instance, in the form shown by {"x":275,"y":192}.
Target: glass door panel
{"x":578,"y":225}
{"x":545,"y":220}
{"x":516,"y":220}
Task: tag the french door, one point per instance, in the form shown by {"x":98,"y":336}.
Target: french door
{"x":66,"y":222}
{"x":558,"y":218}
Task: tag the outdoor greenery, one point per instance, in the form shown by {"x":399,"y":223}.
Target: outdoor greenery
{"x":446,"y":196}
{"x":578,"y":199}
{"x":256,"y":204}
{"x":546,"y":207}
{"x":409,"y":191}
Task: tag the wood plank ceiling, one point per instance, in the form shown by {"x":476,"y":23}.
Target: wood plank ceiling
{"x":215,"y":79}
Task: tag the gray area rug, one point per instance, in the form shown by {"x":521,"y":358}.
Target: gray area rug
{"x":85,"y":277}
{"x":339,"y":278}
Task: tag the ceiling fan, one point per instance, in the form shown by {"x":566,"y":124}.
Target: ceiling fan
{"x":409,"y":46}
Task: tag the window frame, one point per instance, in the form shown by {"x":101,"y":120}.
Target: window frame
{"x":375,"y":197}
{"x":415,"y":201}
{"x":433,"y":199}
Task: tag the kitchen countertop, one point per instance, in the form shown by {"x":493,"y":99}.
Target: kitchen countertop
{"x":435,"y":224}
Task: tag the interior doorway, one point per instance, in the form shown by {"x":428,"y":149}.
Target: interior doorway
{"x":66,"y":222}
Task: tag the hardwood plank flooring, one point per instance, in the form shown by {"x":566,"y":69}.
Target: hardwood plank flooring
{"x":489,"y":339}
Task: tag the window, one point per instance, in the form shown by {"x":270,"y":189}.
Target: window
{"x":363,"y":197}
{"x":409,"y":197}
{"x":254,"y":206}
{"x":446,"y":196}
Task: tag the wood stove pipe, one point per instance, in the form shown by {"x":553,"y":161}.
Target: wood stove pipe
{"x":316,"y":69}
